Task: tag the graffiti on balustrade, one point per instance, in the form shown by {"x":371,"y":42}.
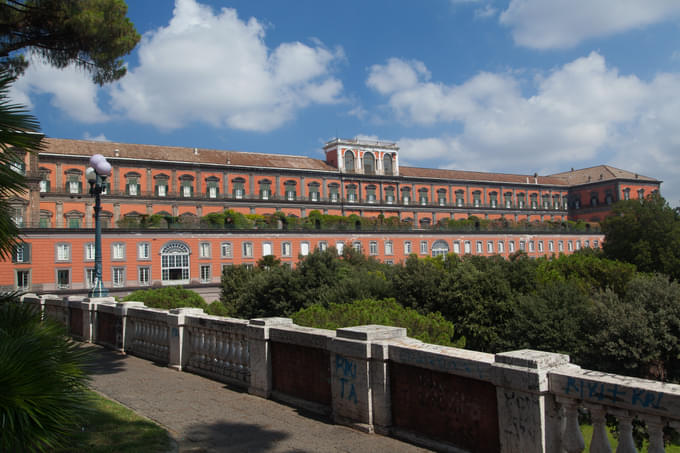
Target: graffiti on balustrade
{"x":613,"y":392}
{"x":346,"y":371}
{"x":479,"y":370}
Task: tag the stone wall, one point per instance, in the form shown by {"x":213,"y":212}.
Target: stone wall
{"x":376,"y":379}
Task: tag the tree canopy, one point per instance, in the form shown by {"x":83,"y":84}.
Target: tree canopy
{"x":645,"y":233}
{"x":92,"y":34}
{"x":18,"y":133}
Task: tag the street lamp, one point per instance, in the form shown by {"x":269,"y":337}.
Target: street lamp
{"x":96,"y":175}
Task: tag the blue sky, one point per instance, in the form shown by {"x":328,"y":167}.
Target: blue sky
{"x":516,"y":86}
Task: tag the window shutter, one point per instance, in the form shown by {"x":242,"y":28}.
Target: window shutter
{"x":80,"y":187}
{"x":14,"y":253}
{"x":155,"y":189}
{"x":127,"y":189}
{"x":27,"y":253}
{"x":191,"y":190}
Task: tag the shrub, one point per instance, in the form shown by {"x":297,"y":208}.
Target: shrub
{"x":42,"y":378}
{"x":167,"y":297}
{"x":430,"y":328}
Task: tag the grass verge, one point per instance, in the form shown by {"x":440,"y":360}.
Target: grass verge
{"x":115,"y":428}
{"x":587,"y":431}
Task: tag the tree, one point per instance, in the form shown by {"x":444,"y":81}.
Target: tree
{"x":92,"y":34}
{"x":645,"y":233}
{"x":18,"y":131}
{"x":44,"y":386}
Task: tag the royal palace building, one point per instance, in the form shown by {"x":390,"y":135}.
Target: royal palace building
{"x":415,"y":209}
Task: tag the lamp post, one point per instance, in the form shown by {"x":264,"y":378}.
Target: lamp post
{"x":96,"y":175}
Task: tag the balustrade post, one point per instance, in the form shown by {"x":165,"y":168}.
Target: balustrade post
{"x":260,"y":354}
{"x":178,"y":341}
{"x":93,"y":322}
{"x":354,"y":381}
{"x":34,"y":301}
{"x":528,"y":416}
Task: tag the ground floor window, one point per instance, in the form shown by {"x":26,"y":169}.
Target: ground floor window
{"x":63,"y":278}
{"x":144,"y":276}
{"x":118,"y":276}
{"x":206,"y":276}
{"x":23,"y":279}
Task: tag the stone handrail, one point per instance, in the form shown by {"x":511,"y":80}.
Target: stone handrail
{"x":376,"y":379}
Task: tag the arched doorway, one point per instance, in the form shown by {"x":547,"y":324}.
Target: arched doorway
{"x":175,"y":263}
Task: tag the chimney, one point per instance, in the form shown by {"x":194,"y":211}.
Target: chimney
{"x":116,"y":152}
{"x":195,"y":151}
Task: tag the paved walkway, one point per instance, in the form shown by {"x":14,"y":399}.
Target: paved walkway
{"x":206,"y":416}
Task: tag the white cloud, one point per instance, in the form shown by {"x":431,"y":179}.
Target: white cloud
{"x":542,"y":24}
{"x":583,"y":113}
{"x":215,"y":68}
{"x":485,"y":12}
{"x":96,"y":138}
{"x":71,"y":90}
{"x":396,"y":75}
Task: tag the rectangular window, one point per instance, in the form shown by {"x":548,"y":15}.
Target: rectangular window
{"x":456,"y":247}
{"x":89,"y":251}
{"x":23,"y":280}
{"x":118,"y":251}
{"x":522,"y":246}
{"x":132,"y":186}
{"x":206,"y":276}
{"x":570,"y":246}
{"x":489,"y":246}
{"x":578,"y":245}
{"x":74,"y":222}
{"x":373,"y":248}
{"x":407,"y":247}
{"x":560,"y":246}
{"x":286,"y":249}
{"x":511,"y":246}
{"x":144,"y":276}
{"x":323,"y":246}
{"x":227,"y":251}
{"x":162,"y":190}
{"x":540,"y":246}
{"x":423,"y":247}
{"x":501,"y":247}
{"x":22,"y":253}
{"x":551,"y":246}
{"x":304,"y":248}
{"x":187,"y":189}
{"x":118,"y":277}
{"x":213,"y":189}
{"x":204,"y":250}
{"x":238,"y":190}
{"x":467,"y":247}
{"x":144,"y":251}
{"x":480,"y":246}
{"x":388,"y":248}
{"x":340,"y":247}
{"x":267,"y":249}
{"x":586,"y":243}
{"x":63,"y":252}
{"x":44,"y":186}
{"x":356,"y":245}
{"x":596,"y":244}
{"x":63,"y":278}
{"x":532,"y":246}
{"x":74,"y":184}
{"x":247,"y":249}
{"x":90,"y":277}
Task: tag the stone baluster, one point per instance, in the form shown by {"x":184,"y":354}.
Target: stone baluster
{"x":572,"y":439}
{"x":599,"y":442}
{"x":229,"y":351}
{"x":626,"y":442}
{"x":201,"y":349}
{"x":220,"y":353}
{"x":655,"y":427}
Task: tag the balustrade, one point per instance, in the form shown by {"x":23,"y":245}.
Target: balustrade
{"x":150,"y":338}
{"x":220,"y":353}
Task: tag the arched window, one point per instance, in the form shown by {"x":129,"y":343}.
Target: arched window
{"x":175,"y":263}
{"x":387,"y":164}
{"x":369,"y":164}
{"x":349,"y":161}
{"x":440,"y":248}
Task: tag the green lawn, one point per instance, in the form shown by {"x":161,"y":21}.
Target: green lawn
{"x":115,"y":428}
{"x":587,"y":431}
